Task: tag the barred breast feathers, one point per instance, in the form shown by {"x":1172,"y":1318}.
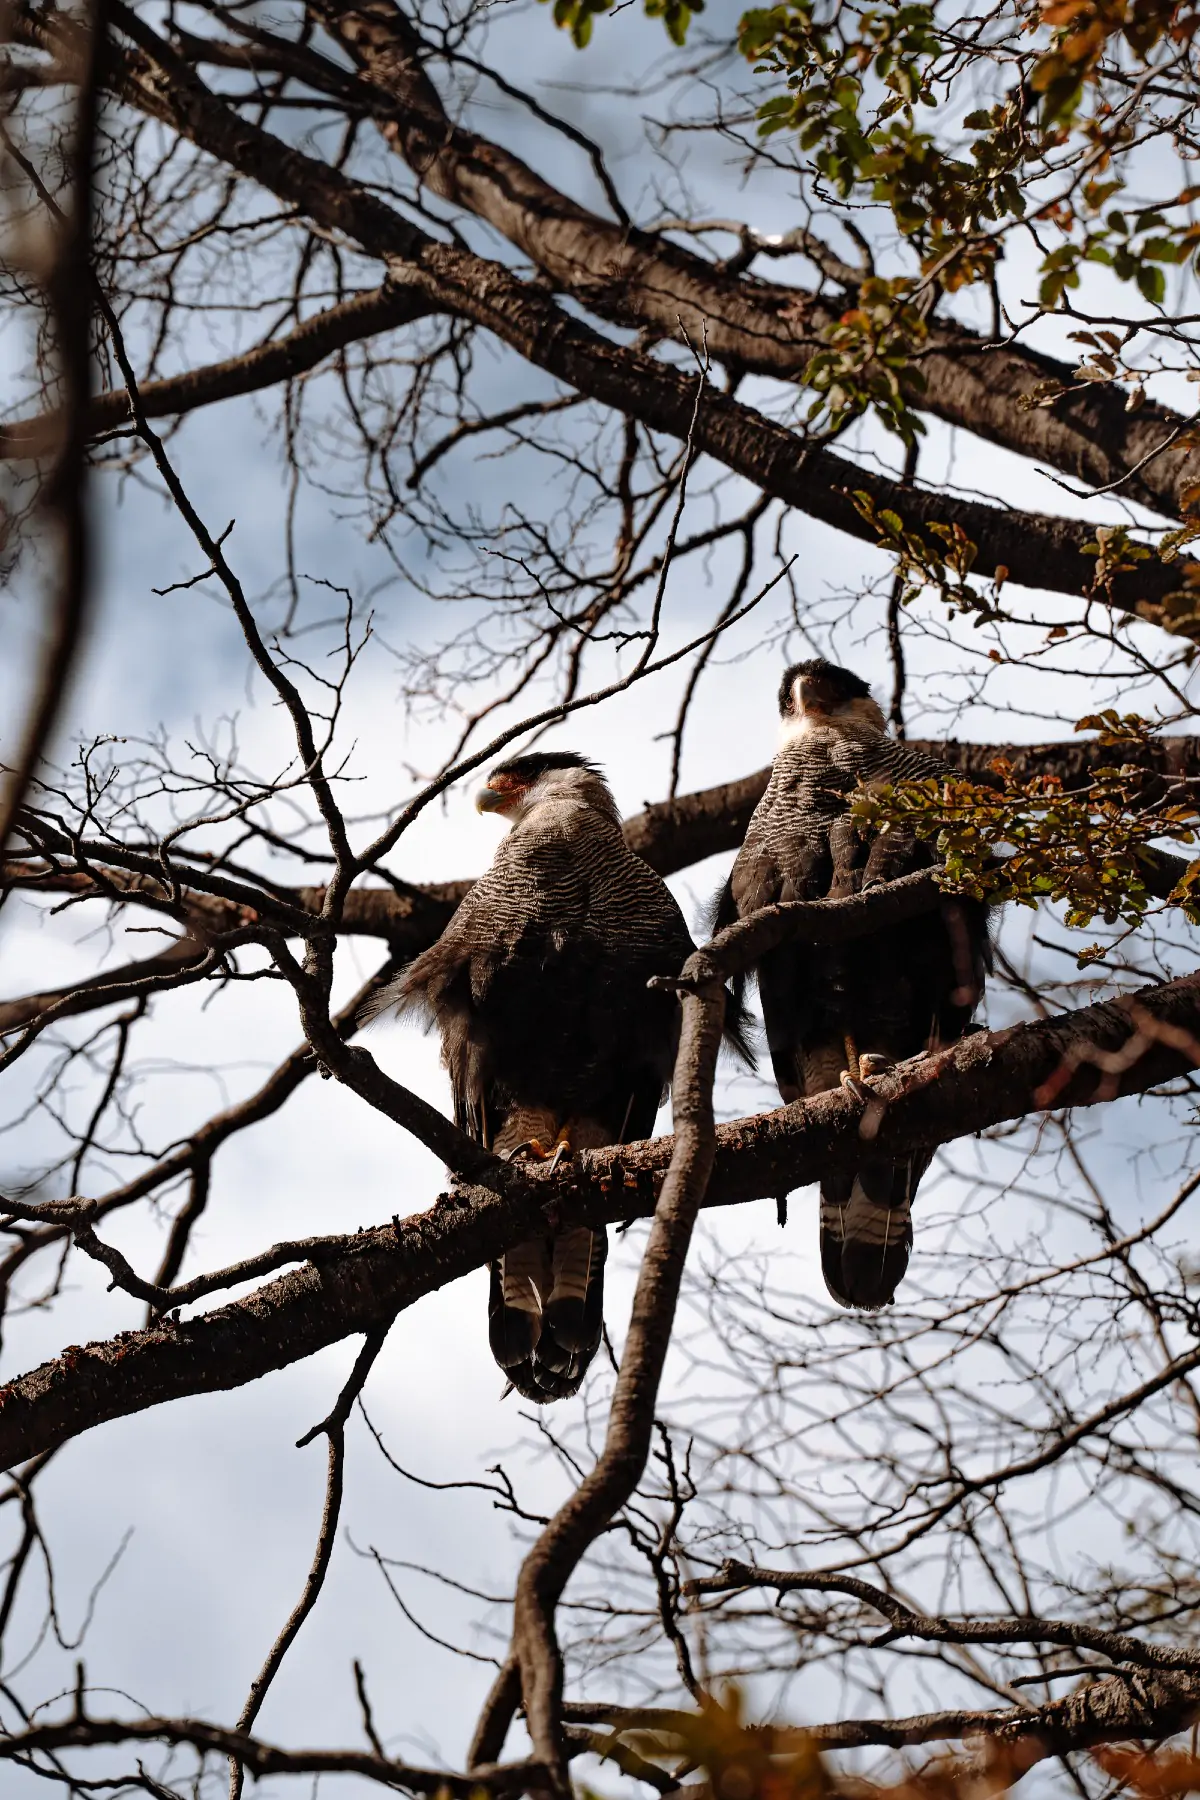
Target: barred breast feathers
{"x":815,"y":773}
{"x":565,"y":867}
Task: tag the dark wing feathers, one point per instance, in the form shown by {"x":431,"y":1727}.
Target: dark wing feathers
{"x":892,"y":994}
{"x":538,"y":988}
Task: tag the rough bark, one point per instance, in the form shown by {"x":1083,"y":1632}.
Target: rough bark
{"x":641,"y":279}
{"x":1124,"y":1046}
{"x":1034,"y":550}
{"x":1110,"y":1710}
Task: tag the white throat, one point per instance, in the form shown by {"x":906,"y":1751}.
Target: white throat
{"x":857,"y":718}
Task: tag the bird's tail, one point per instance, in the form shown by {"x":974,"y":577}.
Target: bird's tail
{"x":738,"y":1035}
{"x":546,"y":1311}
{"x":866,"y":1232}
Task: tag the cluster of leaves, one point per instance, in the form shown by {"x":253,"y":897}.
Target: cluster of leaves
{"x":1028,"y":841}
{"x":943,"y":560}
{"x":743,"y":1761}
{"x":941,"y":199}
{"x":1082,"y":33}
{"x":1149,"y":1774}
{"x":579,"y":17}
{"x":1117,"y":553}
{"x":857,"y":84}
{"x":1135,"y":250}
{"x":866,"y":360}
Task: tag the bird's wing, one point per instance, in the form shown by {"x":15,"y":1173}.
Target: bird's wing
{"x":512,"y":926}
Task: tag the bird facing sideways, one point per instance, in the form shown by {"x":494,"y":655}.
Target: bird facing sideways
{"x":551,"y":1037}
{"x":844,"y":1013}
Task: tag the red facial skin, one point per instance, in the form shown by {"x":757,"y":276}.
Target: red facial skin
{"x":501,"y":794}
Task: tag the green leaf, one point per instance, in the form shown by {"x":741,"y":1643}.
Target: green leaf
{"x":1152,"y":282}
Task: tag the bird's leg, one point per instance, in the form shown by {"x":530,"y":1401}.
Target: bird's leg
{"x":532,"y":1148}
{"x":563,"y":1146}
{"x":870,"y":1063}
{"x":862,"y":1067}
{"x":850,"y":1076}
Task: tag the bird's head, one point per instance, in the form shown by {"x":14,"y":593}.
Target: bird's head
{"x":817,"y":695}
{"x":514,"y":788}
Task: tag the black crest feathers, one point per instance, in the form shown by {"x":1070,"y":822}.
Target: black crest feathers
{"x":844,"y":682}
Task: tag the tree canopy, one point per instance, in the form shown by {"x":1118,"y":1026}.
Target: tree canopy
{"x":394,"y":384}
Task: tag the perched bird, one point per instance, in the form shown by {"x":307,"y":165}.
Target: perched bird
{"x":551,"y":1037}
{"x":847,"y":1012}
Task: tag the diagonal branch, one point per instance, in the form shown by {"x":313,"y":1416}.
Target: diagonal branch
{"x":105,"y":989}
{"x":334,"y":1430}
{"x":384,"y":308}
{"x":611,"y":1483}
{"x":1036,"y":550}
{"x":640,"y":279}
{"x":1123,"y":1046}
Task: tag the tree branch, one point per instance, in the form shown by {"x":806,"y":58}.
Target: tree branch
{"x":735,"y":1577}
{"x":618,"y":1469}
{"x":1123,"y":1046}
{"x":384,"y":308}
{"x":640,"y":279}
{"x":262,"y":1758}
{"x":334,"y":1430}
{"x":1037,"y":550}
{"x":66,"y":277}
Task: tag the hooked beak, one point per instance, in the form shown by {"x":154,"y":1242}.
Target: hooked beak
{"x":490,"y":799}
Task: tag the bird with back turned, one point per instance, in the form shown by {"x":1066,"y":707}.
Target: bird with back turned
{"x":843,"y":1013}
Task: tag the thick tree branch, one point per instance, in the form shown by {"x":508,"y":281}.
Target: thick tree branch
{"x":381,"y":309}
{"x":261,"y":1758}
{"x":634,"y":277}
{"x":1036,"y":550}
{"x":1109,"y":1710}
{"x":641,"y":279}
{"x":1152,"y":1705}
{"x":1123,"y":1046}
